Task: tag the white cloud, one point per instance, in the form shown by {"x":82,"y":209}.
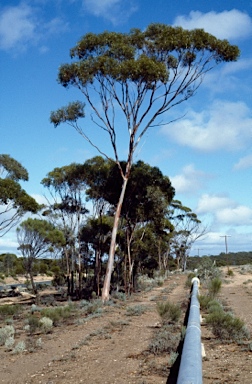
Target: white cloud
{"x":17,"y":25}
{"x":240,"y":216}
{"x":224,"y":210}
{"x":189,"y":181}
{"x":21,"y":26}
{"x":243,"y":163}
{"x":116,"y":11}
{"x":225,"y":125}
{"x":211,"y":203}
{"x":232,"y":24}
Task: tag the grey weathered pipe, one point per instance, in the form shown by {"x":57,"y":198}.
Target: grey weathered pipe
{"x":190,"y":370}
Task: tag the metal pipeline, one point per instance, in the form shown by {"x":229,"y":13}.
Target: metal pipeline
{"x":190,"y":370}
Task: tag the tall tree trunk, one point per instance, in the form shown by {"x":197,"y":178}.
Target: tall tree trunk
{"x":97,"y":271}
{"x":110,"y":264}
{"x":159,"y":255}
{"x":130,"y":281}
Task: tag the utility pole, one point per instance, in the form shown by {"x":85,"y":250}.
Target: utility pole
{"x":226,"y":246}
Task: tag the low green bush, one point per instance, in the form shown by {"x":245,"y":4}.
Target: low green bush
{"x":46,"y":324}
{"x":57,"y":314}
{"x":91,"y":307}
{"x":214,"y":306}
{"x":165,"y":340}
{"x":169,"y":312}
{"x":33,"y":323}
{"x":136,"y":310}
{"x":226,"y":326}
{"x":204,"y":301}
{"x":7,"y":310}
{"x":5,"y":333}
{"x":214,"y":287}
{"x":230,"y":272}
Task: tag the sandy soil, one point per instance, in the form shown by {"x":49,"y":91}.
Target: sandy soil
{"x":115,"y":350}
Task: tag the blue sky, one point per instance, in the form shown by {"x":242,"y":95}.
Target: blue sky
{"x":207,"y":154}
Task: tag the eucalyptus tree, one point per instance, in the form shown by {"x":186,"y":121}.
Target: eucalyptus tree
{"x":137,"y":76}
{"x":37,"y":238}
{"x":95,"y":236}
{"x":146,"y":199}
{"x":14,"y":201}
{"x":66,"y":208}
{"x":187,"y":229}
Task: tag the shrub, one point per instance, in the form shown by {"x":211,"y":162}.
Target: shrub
{"x":144,"y":282}
{"x":20,"y":347}
{"x":33,"y":323}
{"x":225,"y":326}
{"x":164,"y":341}
{"x":214,"y":287}
{"x":204,"y":301}
{"x":56,"y":314}
{"x":230,"y":272}
{"x":9,"y":343}
{"x":214,"y":306}
{"x":9,"y":310}
{"x":118,"y":295}
{"x":136,"y":310}
{"x":169,"y":312}
{"x":173,"y":357}
{"x":5,"y":333}
{"x":46,"y":324}
{"x":90,"y":308}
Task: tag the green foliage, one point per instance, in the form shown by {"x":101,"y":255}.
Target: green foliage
{"x":136,"y":310}
{"x":165,"y":340}
{"x":145,"y":57}
{"x":33,"y":323}
{"x":225,"y":326}
{"x":7,"y":310}
{"x":5,"y":333}
{"x":207,"y":269}
{"x":214,"y":287}
{"x":91,"y":307}
{"x":230,"y":272}
{"x":13,"y":199}
{"x":9,"y":343}
{"x":169,"y":312}
{"x":204,"y":301}
{"x":19,"y":348}
{"x":13,"y":169}
{"x":57,"y":314}
{"x":37,"y":238}
{"x":43,"y":268}
{"x":46,"y":324}
{"x":72,"y":112}
{"x":145,"y":283}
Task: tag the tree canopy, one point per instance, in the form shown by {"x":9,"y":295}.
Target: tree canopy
{"x":14,"y":200}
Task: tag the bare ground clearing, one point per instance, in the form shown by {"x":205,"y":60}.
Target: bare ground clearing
{"x":112,"y":348}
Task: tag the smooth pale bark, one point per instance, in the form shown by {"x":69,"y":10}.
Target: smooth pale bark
{"x":110,"y":264}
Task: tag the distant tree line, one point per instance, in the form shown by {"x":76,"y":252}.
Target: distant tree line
{"x":221,"y":260}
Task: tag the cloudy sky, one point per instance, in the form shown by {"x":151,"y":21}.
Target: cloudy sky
{"x":207,"y":154}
